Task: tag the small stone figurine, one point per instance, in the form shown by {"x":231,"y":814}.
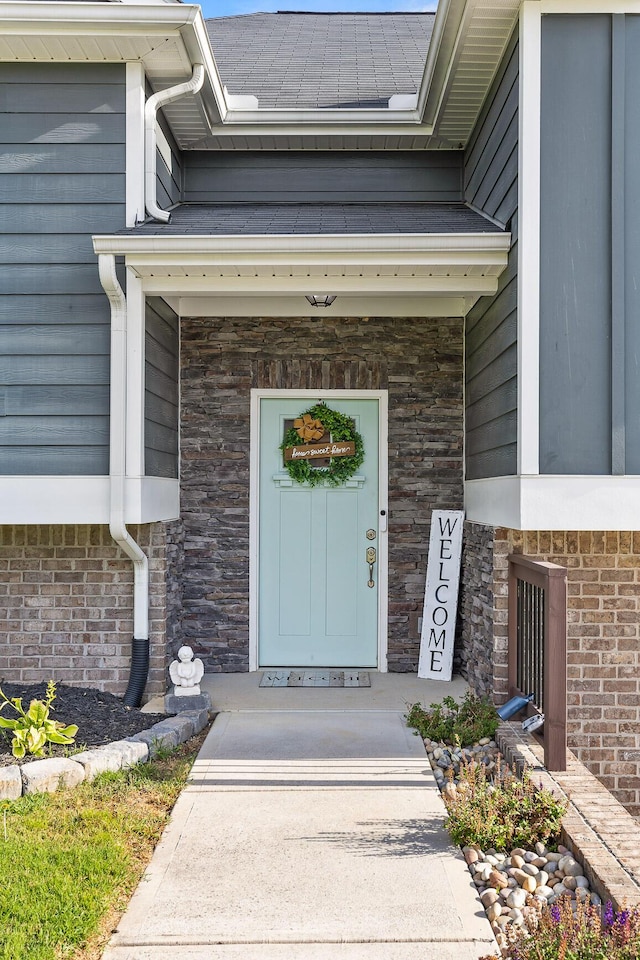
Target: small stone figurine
{"x":186,"y":673}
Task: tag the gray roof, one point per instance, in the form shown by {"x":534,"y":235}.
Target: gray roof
{"x":308,"y":60}
{"x":231,"y":219}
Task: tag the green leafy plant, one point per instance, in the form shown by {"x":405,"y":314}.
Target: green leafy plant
{"x":33,"y":729}
{"x":557,"y":933}
{"x":473,"y":719}
{"x":501,"y":810}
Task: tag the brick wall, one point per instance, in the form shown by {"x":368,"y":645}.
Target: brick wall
{"x":66,"y":605}
{"x":418,"y":361}
{"x":603,"y":643}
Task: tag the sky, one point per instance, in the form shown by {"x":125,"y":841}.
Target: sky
{"x":222,"y":8}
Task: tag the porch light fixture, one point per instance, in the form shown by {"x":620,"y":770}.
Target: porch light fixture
{"x":321,"y":299}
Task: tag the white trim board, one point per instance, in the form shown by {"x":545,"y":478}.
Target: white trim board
{"x":346,"y":305}
{"x":254,"y":506}
{"x":545,"y":502}
{"x":529,"y":240}
{"x":79,"y":500}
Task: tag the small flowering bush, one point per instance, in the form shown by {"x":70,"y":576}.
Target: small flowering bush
{"x":500,"y":810}
{"x":557,"y":933}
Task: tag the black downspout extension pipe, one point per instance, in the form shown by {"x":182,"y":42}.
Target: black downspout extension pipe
{"x":139,"y":672}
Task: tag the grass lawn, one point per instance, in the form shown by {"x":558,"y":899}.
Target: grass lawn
{"x":69,"y":861}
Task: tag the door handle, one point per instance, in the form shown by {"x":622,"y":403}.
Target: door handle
{"x":371,"y":559}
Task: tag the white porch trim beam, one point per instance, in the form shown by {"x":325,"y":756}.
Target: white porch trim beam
{"x":545,"y":502}
{"x":192,"y":285}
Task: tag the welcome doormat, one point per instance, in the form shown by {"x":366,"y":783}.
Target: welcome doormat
{"x":315,"y":678}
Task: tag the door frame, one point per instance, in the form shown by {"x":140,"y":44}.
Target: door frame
{"x":382,"y":396}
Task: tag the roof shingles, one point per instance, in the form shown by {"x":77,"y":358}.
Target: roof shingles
{"x":301,"y":60}
{"x":316,"y":218}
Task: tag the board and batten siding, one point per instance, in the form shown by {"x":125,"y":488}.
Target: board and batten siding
{"x":339,"y":176}
{"x":491,"y":327}
{"x":590,"y":245}
{"x":62,"y":178}
{"x":161,"y":398}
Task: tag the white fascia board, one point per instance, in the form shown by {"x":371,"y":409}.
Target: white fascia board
{"x":96,"y":18}
{"x":458,"y":18}
{"x":267,"y":118}
{"x":78,"y":500}
{"x":380,"y":244}
{"x":545,"y":502}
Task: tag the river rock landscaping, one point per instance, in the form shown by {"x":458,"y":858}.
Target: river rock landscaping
{"x":513,"y":885}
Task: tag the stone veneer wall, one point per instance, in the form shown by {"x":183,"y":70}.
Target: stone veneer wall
{"x":476,"y":653}
{"x":418,"y":361}
{"x":603,"y":639}
{"x":66,"y":605}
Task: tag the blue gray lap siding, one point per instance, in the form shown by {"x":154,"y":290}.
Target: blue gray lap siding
{"x":62,"y":178}
{"x":322,"y":176}
{"x":162,"y":344}
{"x":491,"y":185}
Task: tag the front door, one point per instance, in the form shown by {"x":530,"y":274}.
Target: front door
{"x":318,"y":596}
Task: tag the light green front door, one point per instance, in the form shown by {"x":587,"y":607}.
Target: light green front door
{"x":316,"y":608}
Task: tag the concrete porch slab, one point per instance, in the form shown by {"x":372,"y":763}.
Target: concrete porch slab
{"x":388,"y":691}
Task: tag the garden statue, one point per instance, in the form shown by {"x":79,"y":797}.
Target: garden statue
{"x":186,"y":673}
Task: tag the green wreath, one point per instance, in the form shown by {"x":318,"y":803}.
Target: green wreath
{"x":340,"y":427}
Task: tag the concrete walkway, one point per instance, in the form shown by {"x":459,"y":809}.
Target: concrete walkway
{"x":312,"y":829}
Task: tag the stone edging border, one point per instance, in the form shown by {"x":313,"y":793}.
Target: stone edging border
{"x":601,"y":834}
{"x":52,"y":773}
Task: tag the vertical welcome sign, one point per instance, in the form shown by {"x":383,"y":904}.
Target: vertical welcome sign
{"x":441,"y":595}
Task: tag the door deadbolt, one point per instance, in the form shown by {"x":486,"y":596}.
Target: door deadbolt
{"x":371,"y":534}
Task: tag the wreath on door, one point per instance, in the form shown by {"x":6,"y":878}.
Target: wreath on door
{"x":320,"y":425}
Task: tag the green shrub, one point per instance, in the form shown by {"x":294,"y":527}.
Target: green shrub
{"x":466,"y":722}
{"x":557,"y":933}
{"x":32,"y":729}
{"x":500,"y":810}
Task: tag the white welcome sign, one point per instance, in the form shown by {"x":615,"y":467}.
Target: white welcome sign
{"x":441,"y":595}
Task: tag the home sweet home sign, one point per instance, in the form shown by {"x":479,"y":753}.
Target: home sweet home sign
{"x":441,"y":595}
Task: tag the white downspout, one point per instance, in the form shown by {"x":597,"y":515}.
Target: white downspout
{"x":117,"y":448}
{"x":152,"y":106}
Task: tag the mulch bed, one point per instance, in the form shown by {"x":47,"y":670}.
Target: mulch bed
{"x":101,"y":717}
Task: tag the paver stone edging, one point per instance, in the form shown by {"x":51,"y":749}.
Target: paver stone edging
{"x":601,"y":834}
{"x":53,"y":773}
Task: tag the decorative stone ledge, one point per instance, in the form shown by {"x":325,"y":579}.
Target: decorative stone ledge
{"x":53,"y":773}
{"x":598,"y":830}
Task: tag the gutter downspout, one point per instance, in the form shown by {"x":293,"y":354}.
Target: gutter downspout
{"x":117,"y":468}
{"x":151,"y":108}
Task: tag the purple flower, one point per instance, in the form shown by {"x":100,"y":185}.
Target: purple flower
{"x":622,"y":918}
{"x":555,"y":913}
{"x":609,"y":915}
